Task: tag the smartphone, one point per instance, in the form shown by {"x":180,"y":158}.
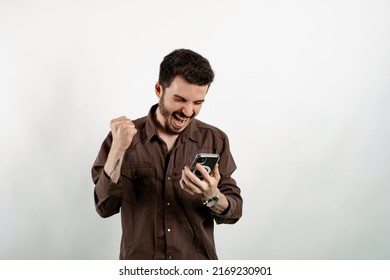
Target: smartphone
{"x":207,"y":160}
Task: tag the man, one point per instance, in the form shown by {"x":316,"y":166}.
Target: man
{"x":142,"y":170}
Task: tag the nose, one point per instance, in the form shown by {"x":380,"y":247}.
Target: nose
{"x":188,"y":110}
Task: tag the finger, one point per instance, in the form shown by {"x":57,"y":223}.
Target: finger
{"x":182,"y":184}
{"x":208,"y":179}
{"x":126,"y":127}
{"x":124,"y":132}
{"x":189,"y":185}
{"x":187,"y":181}
{"x":131,"y":131}
{"x":202,"y":171}
{"x":123,"y":126}
{"x":120,"y":120}
{"x":215,"y":172}
{"x":194,"y":179}
{"x":185,"y":187}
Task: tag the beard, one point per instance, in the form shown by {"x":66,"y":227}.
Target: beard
{"x":172,"y":117}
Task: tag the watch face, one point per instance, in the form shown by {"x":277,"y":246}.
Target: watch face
{"x":212,"y":202}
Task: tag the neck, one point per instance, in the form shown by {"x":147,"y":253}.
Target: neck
{"x":168,"y":138}
{"x":159,"y":119}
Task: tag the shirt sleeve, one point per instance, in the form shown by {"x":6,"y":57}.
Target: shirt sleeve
{"x":228,"y":187}
{"x":107,"y":194}
{"x":234,"y":211}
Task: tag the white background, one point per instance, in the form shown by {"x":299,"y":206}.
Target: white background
{"x":302,"y":89}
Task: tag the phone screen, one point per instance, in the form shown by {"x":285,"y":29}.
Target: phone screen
{"x":208,"y":161}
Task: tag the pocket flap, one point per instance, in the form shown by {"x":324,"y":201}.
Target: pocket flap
{"x":136,"y":172}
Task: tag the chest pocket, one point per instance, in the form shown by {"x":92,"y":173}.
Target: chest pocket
{"x":138,"y":183}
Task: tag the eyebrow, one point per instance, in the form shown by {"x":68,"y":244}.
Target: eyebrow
{"x":182,"y":98}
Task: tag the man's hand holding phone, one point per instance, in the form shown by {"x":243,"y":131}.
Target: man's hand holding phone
{"x":206,"y":188}
{"x":202,"y":177}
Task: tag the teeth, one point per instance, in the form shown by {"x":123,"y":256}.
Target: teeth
{"x":180,"y":119}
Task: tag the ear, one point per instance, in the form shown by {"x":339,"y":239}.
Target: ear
{"x":158,"y":89}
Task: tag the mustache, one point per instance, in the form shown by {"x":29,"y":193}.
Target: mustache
{"x":182,"y":115}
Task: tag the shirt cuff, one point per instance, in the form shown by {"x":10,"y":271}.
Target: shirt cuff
{"x":227,"y":216}
{"x":105,"y":187}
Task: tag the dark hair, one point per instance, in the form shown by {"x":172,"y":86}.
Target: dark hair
{"x":193,"y":67}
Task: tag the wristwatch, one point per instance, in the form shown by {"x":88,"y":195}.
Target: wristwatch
{"x":211,"y":202}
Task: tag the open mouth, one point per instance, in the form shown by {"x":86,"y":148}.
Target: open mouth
{"x":179,"y":120}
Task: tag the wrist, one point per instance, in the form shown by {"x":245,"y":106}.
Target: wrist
{"x":118,"y":149}
{"x":213,"y":200}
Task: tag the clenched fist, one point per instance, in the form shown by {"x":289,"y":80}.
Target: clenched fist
{"x":123,"y":131}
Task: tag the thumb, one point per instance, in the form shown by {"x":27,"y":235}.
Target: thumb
{"x":215,"y":172}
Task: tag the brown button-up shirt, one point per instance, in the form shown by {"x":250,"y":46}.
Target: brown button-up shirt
{"x":159,"y":219}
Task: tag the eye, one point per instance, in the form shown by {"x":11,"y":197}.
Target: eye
{"x":178,"y":99}
{"x":200,"y":102}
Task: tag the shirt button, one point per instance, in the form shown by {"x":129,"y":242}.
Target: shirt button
{"x":169,"y":178}
{"x":168,"y":204}
{"x":169,"y":257}
{"x":169,"y":230}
